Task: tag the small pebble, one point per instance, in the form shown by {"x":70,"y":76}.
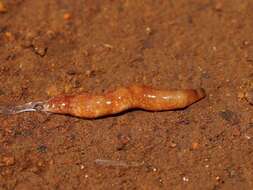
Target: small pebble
{"x":40,"y":163}
{"x":195,"y":145}
{"x":148,"y":30}
{"x":230,"y":117}
{"x":7,"y":161}
{"x":40,"y":50}
{"x":249,"y":96}
{"x":173,"y":145}
{"x":247,"y":136}
{"x":109,"y":46}
{"x":183,"y":122}
{"x":72,"y":72}
{"x":7,"y":172}
{"x":241,"y":95}
{"x":90,"y":73}
{"x":42,"y":149}
{"x":232,"y":173}
{"x":51,"y":162}
{"x":186,"y":179}
{"x":123,"y":138}
{"x":67,"y":16}
{"x":218,"y":6}
{"x":246,"y":43}
{"x":236,"y":132}
{"x":9,"y":36}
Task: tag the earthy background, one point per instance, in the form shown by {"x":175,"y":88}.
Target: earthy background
{"x":49,"y":47}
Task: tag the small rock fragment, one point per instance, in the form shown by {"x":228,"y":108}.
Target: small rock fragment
{"x":7,"y":161}
{"x":39,"y":50}
{"x":241,"y":95}
{"x":195,"y":145}
{"x":249,"y":96}
{"x":185,"y":179}
{"x":183,"y":121}
{"x":229,"y":116}
{"x":123,"y":140}
{"x":72,"y":72}
{"x":218,"y":6}
{"x":67,"y":16}
{"x":9,"y":36}
{"x":232,"y":173}
{"x":148,"y":30}
{"x":42,"y":149}
{"x":246,"y":43}
{"x":173,"y":145}
{"x":236,"y":132}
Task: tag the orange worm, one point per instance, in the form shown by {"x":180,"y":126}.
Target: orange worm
{"x":133,"y":97}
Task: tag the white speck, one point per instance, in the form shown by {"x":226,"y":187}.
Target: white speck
{"x":247,"y":136}
{"x":108,"y":46}
{"x":108,"y":102}
{"x":166,"y":97}
{"x":82,"y":167}
{"x":154,"y":169}
{"x":63,"y":104}
{"x":207,"y":166}
{"x":148,"y":30}
{"x":185,"y":179}
{"x":98,"y":102}
{"x":86,"y":175}
{"x":151,"y":96}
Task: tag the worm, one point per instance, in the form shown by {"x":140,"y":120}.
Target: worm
{"x":88,"y":105}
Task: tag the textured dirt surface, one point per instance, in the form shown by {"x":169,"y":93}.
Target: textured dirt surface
{"x":52,"y":47}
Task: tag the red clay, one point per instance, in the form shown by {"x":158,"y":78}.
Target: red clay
{"x":107,"y":44}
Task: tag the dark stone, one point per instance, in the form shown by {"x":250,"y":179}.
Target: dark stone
{"x":42,"y":149}
{"x":71,"y":72}
{"x":230,"y":117}
{"x":183,"y":122}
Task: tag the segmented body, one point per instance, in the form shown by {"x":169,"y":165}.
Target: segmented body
{"x":133,"y":97}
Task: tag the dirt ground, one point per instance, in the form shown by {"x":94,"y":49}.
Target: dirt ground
{"x":51,"y":47}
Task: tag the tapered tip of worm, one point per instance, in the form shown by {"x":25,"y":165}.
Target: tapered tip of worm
{"x":201,"y":93}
